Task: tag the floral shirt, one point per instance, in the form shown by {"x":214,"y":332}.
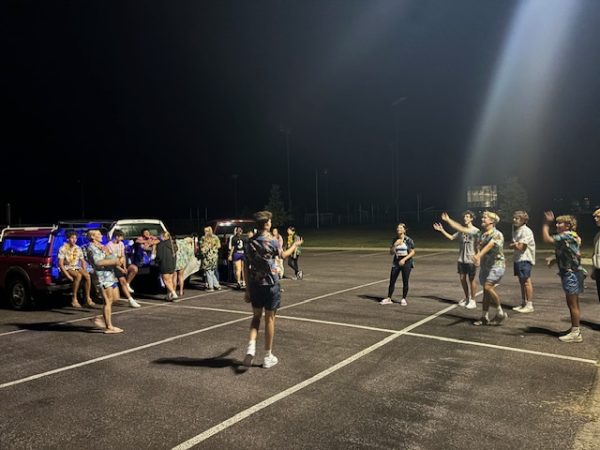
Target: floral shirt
{"x":106,"y":274}
{"x":291,"y":238}
{"x":495,"y":257}
{"x":209,"y":248}
{"x":71,"y":256}
{"x":261,"y":252}
{"x":185,"y":252}
{"x":568,"y":256}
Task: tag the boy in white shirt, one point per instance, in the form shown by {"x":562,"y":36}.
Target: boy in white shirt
{"x":523,"y":244}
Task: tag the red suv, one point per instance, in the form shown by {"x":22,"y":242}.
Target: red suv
{"x":28,"y":262}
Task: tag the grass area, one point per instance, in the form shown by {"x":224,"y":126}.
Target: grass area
{"x":379,"y":236}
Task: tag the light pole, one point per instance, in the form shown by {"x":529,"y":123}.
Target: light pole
{"x":287,"y":133}
{"x":317,"y":193}
{"x":235,"y":194}
{"x":396,"y":166}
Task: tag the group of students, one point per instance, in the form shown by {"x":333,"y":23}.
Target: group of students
{"x":237,"y":253}
{"x":485,"y":249}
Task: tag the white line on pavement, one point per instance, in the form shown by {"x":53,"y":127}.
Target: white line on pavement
{"x":501,"y":347}
{"x":286,"y":393}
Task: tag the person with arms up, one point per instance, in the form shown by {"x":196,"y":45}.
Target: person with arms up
{"x":466,"y":268}
{"x":567,"y":246}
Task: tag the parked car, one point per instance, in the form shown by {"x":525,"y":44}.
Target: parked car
{"x":29,"y":261}
{"x":224,"y":229}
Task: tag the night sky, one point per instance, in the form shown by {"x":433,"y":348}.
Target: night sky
{"x":154,"y":106}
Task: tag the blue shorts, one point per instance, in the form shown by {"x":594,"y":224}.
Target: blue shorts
{"x":239,"y":257}
{"x":268,"y":297}
{"x":522,"y":269}
{"x":493,"y":275}
{"x":466,"y":268}
{"x":572,"y":282}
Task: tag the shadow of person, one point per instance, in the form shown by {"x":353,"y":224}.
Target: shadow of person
{"x":440,"y":299}
{"x":546,"y":331}
{"x":216,"y":362}
{"x":374,"y":298}
{"x":56,"y":327}
{"x":594,"y":326}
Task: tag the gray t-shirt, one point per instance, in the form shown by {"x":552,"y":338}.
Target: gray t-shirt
{"x":466,"y":242}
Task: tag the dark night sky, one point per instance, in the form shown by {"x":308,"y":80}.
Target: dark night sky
{"x":155,"y":105}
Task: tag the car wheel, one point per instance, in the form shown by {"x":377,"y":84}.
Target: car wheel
{"x":19,"y":294}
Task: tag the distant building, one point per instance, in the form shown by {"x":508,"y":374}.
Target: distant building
{"x":485,"y":196}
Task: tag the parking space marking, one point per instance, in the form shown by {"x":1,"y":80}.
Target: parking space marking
{"x":502,"y":347}
{"x":286,"y":393}
{"x":121,"y":353}
{"x":130,"y":310}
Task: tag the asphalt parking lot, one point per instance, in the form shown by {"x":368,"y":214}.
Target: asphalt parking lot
{"x":352,"y":373}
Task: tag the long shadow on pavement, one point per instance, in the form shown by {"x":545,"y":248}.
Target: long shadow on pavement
{"x":374,"y":298}
{"x":57,"y":327}
{"x":539,"y":330}
{"x":216,"y":362}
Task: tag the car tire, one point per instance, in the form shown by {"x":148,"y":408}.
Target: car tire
{"x":19,"y":294}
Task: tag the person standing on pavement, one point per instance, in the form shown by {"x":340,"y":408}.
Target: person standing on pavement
{"x":523,"y":244}
{"x":596,"y":255}
{"x":403,"y":249}
{"x":466,"y":268}
{"x":263,"y":289}
{"x":166,"y":257}
{"x":209,"y":249}
{"x":292,"y":237}
{"x":567,"y":246}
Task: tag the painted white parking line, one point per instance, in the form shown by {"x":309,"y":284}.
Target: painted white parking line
{"x":501,"y":347}
{"x":130,"y":310}
{"x":163,"y":341}
{"x":121,"y":353}
{"x":286,"y":393}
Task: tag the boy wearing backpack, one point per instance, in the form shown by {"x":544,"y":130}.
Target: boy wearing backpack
{"x":263,"y":289}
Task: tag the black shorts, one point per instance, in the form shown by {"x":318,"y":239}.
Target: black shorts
{"x":119,"y":274}
{"x":466,"y":269}
{"x":268,"y":297}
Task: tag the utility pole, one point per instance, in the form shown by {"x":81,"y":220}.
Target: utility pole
{"x":396,"y":166}
{"x":287,"y":133}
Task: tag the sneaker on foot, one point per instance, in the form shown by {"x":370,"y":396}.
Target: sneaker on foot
{"x":300,"y":275}
{"x":463,"y":302}
{"x":481,"y":322}
{"x":525,"y":309}
{"x":250,"y":352}
{"x":386,"y":301}
{"x":471,"y":304}
{"x":499,"y":319}
{"x":174,"y":296}
{"x":134,"y":304}
{"x":403,"y":302}
{"x":270,"y":361}
{"x":573,"y":336}
{"x":210,"y":289}
{"x":131,"y":291}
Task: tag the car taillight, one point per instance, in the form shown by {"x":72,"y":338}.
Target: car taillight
{"x":47,"y":272}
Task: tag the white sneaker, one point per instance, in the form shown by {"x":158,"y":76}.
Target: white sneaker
{"x":525,"y":309}
{"x":270,"y":361}
{"x":134,"y":304}
{"x":573,"y":336}
{"x":386,"y":301}
{"x":403,"y":302}
{"x":518,"y":308}
{"x":174,"y":296}
{"x":131,"y":291}
{"x":463,"y":302}
{"x":499,"y":319}
{"x":471,"y":304}
{"x":250,"y":352}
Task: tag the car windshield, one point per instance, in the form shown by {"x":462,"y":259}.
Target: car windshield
{"x":134,"y":230}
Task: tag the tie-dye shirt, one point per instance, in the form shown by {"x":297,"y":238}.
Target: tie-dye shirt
{"x":495,"y":257}
{"x":567,"y":249}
